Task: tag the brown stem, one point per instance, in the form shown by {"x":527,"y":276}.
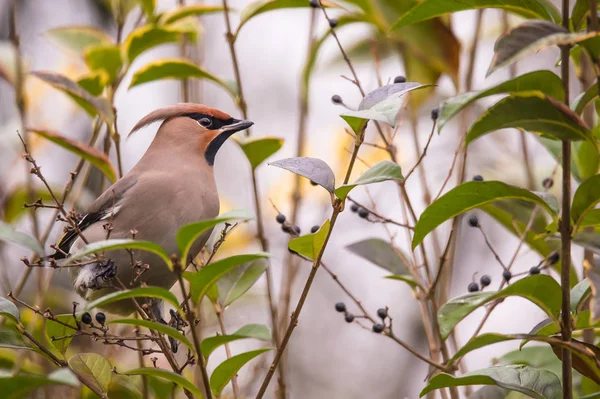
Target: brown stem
{"x":337,"y":209}
{"x":290,"y":270}
{"x":565,"y":226}
{"x":191,"y":319}
{"x":221,"y":317}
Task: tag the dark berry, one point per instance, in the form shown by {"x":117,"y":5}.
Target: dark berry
{"x":554,"y":258}
{"x":473,"y":287}
{"x":477,"y":178}
{"x":473,"y":221}
{"x":336,"y":99}
{"x":314,"y":3}
{"x":354,"y":208}
{"x":548,"y":182}
{"x":534,"y":270}
{"x":280,"y":218}
{"x":485,"y":280}
{"x":100,"y":318}
{"x":86,"y":318}
{"x":333,"y":23}
{"x":285,"y":228}
{"x":349,"y":318}
{"x":314,"y":183}
{"x":399,"y":79}
{"x":506,"y":275}
{"x":340,"y":307}
{"x":314,"y":229}
{"x":363,"y":213}
{"x":377,"y":328}
{"x":435,"y":113}
{"x":297,"y":230}
{"x":382,"y":312}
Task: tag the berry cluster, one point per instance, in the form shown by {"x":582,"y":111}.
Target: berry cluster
{"x":86,"y":318}
{"x":349,"y":317}
{"x":362,"y":212}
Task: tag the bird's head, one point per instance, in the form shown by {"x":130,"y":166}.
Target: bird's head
{"x":209,"y":126}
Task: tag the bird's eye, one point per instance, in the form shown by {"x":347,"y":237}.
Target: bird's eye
{"x":205,"y":122}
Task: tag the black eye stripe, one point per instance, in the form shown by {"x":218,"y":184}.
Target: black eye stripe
{"x":216,"y":123}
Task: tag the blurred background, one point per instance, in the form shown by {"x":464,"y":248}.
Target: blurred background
{"x":327,"y":357}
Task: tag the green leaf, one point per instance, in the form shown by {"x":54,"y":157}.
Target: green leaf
{"x":57,"y":330}
{"x":94,"y":369}
{"x":586,"y":198}
{"x":237,"y":281}
{"x":145,"y":38}
{"x":262,"y":6}
{"x":95,"y":157}
{"x":148,"y":6}
{"x":542,"y":290}
{"x":544,"y":82}
{"x":583,"y":99}
{"x":382,"y":254}
{"x":312,"y":168}
{"x":535,"y":356}
{"x":105,"y":60}
{"x":175,"y":68}
{"x":188,"y":234}
{"x":380,"y":172}
{"x":140,"y":292}
{"x":77,"y":39}
{"x":257,"y":150}
{"x":167,"y":375}
{"x":18,"y":386}
{"x":407,"y":278}
{"x":258,"y":331}
{"x":310,"y":245}
{"x":531,"y":37}
{"x":586,"y":240}
{"x":468,"y":196}
{"x":114,"y":244}
{"x":202,"y":280}
{"x":384,"y":103}
{"x":9,"y":310}
{"x":93,"y":84}
{"x":554,"y":147}
{"x":584,"y":357}
{"x":8,"y":233}
{"x":579,"y":293}
{"x":535,"y":113}
{"x":89,"y":103}
{"x":156,"y":326}
{"x":12,"y":339}
{"x":429,"y":9}
{"x":587,"y":157}
{"x":188,"y":11}
{"x":538,"y":384}
{"x":229,"y":368}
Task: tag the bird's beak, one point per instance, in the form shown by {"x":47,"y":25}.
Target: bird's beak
{"x":236,"y":126}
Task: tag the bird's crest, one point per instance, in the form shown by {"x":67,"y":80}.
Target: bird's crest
{"x":175,"y":110}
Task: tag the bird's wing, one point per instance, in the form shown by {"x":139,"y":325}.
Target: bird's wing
{"x":105,"y":207}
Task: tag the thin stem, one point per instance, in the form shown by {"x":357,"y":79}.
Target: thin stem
{"x":221,"y":317}
{"x":189,"y":314}
{"x":291,"y":269}
{"x":337,"y":209}
{"x":257,"y":206}
{"x":565,"y":225}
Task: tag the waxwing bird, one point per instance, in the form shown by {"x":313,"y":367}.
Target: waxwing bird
{"x":171,"y":186}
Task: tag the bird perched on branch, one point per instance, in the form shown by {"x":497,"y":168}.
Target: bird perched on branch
{"x":171,"y":186}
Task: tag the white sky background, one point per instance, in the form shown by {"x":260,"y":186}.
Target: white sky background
{"x":328,"y":358}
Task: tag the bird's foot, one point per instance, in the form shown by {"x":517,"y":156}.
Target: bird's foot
{"x":102,"y":274}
